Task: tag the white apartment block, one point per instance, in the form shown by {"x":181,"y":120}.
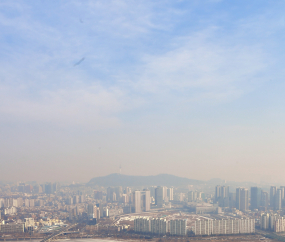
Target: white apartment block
{"x":228,"y":226}
{"x":178,"y":227}
{"x":142,"y":225}
{"x":159,"y":226}
{"x":272,"y":222}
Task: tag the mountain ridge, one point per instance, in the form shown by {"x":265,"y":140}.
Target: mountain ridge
{"x":116,"y":179}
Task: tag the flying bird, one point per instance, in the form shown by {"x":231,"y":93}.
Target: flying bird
{"x":79,"y":62}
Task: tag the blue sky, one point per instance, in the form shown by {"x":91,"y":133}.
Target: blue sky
{"x":191,"y":88}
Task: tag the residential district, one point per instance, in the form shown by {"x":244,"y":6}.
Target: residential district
{"x":31,"y":210}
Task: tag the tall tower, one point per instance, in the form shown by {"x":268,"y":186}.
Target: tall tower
{"x":137,"y":201}
{"x":224,"y":191}
{"x":170,"y":193}
{"x":264,"y":199}
{"x":110,"y":192}
{"x":278,"y":199}
{"x":222,"y":196}
{"x":272,"y":196}
{"x":255,"y":197}
{"x":145,"y":200}
{"x":90,"y":211}
{"x":242,"y":199}
{"x":159,"y":196}
{"x":217,"y":192}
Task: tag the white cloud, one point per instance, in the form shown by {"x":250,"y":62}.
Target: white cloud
{"x":204,"y":66}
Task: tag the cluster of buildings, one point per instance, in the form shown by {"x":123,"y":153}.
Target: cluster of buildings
{"x":220,"y":209}
{"x":273,"y":222}
{"x":20,"y":202}
{"x":10,"y":228}
{"x":47,"y":188}
{"x":138,"y":201}
{"x":160,"y":226}
{"x":255,"y":198}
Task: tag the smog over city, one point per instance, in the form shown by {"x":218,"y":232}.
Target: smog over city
{"x":142,"y":120}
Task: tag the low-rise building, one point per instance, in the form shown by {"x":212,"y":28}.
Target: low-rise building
{"x":12,"y":228}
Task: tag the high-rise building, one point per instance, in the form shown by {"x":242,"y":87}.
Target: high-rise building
{"x":264,"y":222}
{"x":27,"y":202}
{"x":114,"y":198}
{"x":170,"y":193}
{"x":279,"y":225}
{"x":224,"y":191}
{"x":165,"y":194}
{"x":137,"y":201}
{"x":2,"y":202}
{"x":193,"y":196}
{"x":15,"y":203}
{"x":125,"y":199}
{"x":242,"y":199}
{"x":255,"y":197}
{"x":81,"y":198}
{"x":145,"y":200}
{"x":159,"y":196}
{"x":278,"y":199}
{"x":21,"y":187}
{"x":283,"y":191}
{"x":217,"y":192}
{"x":264,"y":199}
{"x":75,"y":199}
{"x":19,"y":201}
{"x":272,"y":196}
{"x":232,"y":200}
{"x":98,"y":213}
{"x":178,"y":227}
{"x":110,"y":194}
{"x":222,"y":196}
{"x":100,"y":206}
{"x":48,"y":188}
{"x":142,"y":225}
{"x":159,"y":226}
{"x":225,"y":226}
{"x":32,"y":202}
{"x":118,"y":191}
{"x":190,"y":196}
{"x":90,"y":211}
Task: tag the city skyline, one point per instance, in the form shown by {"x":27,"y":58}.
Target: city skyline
{"x":188,"y":88}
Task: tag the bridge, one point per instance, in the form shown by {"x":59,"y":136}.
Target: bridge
{"x":57,"y":233}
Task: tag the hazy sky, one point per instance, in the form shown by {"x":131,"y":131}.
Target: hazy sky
{"x":190,"y":88}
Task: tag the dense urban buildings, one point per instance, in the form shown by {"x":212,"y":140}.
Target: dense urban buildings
{"x":150,"y":210}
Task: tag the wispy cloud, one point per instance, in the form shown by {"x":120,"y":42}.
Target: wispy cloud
{"x":123,"y":68}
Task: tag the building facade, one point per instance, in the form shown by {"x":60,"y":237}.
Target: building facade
{"x":178,"y":227}
{"x":230,"y":226}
